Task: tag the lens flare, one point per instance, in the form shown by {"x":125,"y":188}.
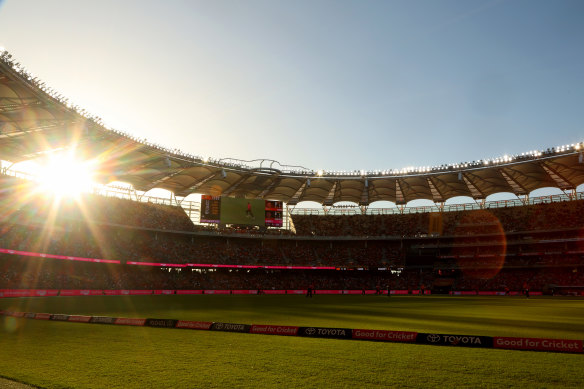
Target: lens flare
{"x":65,"y":176}
{"x":483,"y":256}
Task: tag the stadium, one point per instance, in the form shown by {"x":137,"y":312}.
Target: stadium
{"x":167,"y":269}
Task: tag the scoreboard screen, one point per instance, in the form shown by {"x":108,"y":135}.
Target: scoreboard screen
{"x":210,"y":209}
{"x":230,"y":210}
{"x":274,"y":211}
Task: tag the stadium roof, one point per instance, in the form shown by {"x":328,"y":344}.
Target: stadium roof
{"x":35,"y":121}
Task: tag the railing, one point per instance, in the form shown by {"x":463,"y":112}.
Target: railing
{"x":344,"y":210}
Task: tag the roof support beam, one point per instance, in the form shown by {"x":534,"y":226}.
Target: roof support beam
{"x":365,"y":193}
{"x":475,"y":193}
{"x":299,"y":193}
{"x":436,"y":195}
{"x":276,"y":180}
{"x":10,"y":104}
{"x":233,"y":187}
{"x":330,"y":198}
{"x":517,"y":188}
{"x":560,"y":181}
{"x":199,"y":183}
{"x":399,"y":194}
{"x":176,"y":172}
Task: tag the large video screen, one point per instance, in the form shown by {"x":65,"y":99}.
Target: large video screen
{"x":243,"y":211}
{"x":229,"y":210}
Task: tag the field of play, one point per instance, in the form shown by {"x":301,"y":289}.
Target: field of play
{"x":56,"y":354}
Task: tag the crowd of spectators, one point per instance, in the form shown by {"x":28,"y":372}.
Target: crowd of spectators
{"x":26,"y":273}
{"x":536,"y":217}
{"x":527,"y":244}
{"x":20,"y":273}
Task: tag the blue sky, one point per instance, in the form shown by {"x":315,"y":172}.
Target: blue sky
{"x":336,"y":85}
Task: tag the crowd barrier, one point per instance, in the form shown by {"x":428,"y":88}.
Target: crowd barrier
{"x":134,"y":292}
{"x":507,"y":343}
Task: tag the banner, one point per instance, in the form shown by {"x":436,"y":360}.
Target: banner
{"x":80,"y":318}
{"x":327,"y":291}
{"x":112,"y":292}
{"x":273,"y":330}
{"x":166,"y":323}
{"x":539,"y":344}
{"x":217,"y":291}
{"x":165,"y":291}
{"x":455,"y":340}
{"x":194,"y":325}
{"x":385,"y":336}
{"x":80,"y":292}
{"x":273,"y":291}
{"x":189,"y":292}
{"x":129,"y":322}
{"x":102,"y":319}
{"x":230,"y":327}
{"x":60,"y":317}
{"x":322,"y":332}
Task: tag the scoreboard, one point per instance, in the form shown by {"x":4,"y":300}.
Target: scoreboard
{"x":274,"y":211}
{"x":230,"y":210}
{"x":210,"y":209}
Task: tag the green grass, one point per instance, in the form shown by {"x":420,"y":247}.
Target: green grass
{"x":63,"y":355}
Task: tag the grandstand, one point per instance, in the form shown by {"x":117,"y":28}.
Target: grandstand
{"x":121,"y":239}
{"x":153,"y":243}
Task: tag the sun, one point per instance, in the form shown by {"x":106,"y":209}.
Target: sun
{"x":65,"y":176}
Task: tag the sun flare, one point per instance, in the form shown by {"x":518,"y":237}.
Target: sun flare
{"x":65,"y":176}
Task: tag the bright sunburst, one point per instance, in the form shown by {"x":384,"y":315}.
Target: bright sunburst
{"x":65,"y":176}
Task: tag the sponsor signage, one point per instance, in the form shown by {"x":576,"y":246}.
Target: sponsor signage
{"x":46,"y":292}
{"x":165,"y":323}
{"x":455,"y":340}
{"x":29,"y":315}
{"x":18,"y":293}
{"x":129,"y":322}
{"x":328,"y":291}
{"x":165,"y":291}
{"x":385,"y":336}
{"x":112,"y":292}
{"x":137,"y":292}
{"x":80,"y":318}
{"x":81,"y":292}
{"x":274,"y":330}
{"x":273,"y":291}
{"x":218,"y":291}
{"x":102,"y":319}
{"x":42,"y":316}
{"x":60,"y":317}
{"x":322,"y":332}
{"x":199,"y":291}
{"x":194,"y":325}
{"x":230,"y":327}
{"x":539,"y":344}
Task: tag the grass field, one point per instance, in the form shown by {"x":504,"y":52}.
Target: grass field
{"x":63,"y":355}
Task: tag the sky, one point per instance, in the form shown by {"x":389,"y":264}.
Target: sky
{"x":334,"y":85}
